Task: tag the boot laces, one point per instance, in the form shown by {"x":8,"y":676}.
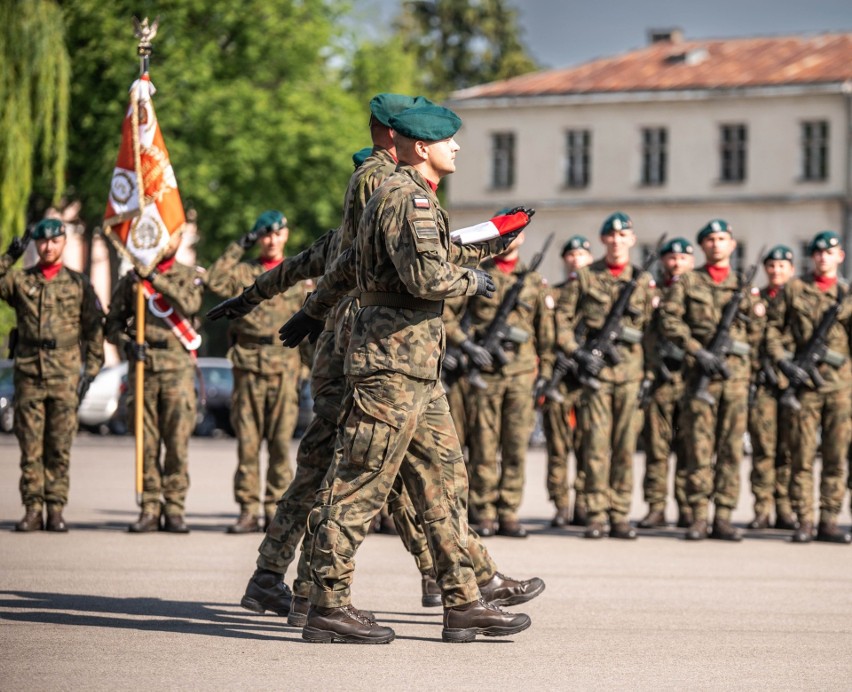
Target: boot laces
{"x":352,"y":612}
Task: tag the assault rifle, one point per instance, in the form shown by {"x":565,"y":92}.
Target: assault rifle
{"x":668,"y":353}
{"x":814,"y":353}
{"x":767,"y":378}
{"x":455,"y":361}
{"x":721,"y":344}
{"x":499,"y":330}
{"x":603,"y":343}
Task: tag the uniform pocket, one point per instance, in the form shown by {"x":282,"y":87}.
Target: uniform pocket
{"x":370,"y":431}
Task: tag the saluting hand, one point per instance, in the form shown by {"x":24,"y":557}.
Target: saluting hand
{"x":298,"y":327}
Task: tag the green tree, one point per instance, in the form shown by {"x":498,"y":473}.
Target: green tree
{"x":461,"y":43}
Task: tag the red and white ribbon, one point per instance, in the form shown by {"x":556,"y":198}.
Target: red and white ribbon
{"x":180,"y":326}
{"x":497,"y":226}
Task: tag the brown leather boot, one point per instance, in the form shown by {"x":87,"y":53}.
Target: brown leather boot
{"x":805,"y":532}
{"x":697,"y":530}
{"x":594,"y":530}
{"x":147,"y":522}
{"x":723,"y":530}
{"x":759,"y":523}
{"x":175,"y":523}
{"x":561,"y":519}
{"x":33,"y":520}
{"x":623,"y":530}
{"x":655,"y":519}
{"x":504,"y":591}
{"x":266,"y":590}
{"x":298,"y":615}
{"x":55,"y":521}
{"x":829,"y":532}
{"x":786,"y":521}
{"x":511,"y":528}
{"x":430,"y":592}
{"x":343,"y":624}
{"x":463,"y":623}
{"x":246,"y":523}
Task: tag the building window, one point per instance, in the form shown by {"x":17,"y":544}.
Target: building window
{"x":815,"y":150}
{"x":502,"y":160}
{"x":654,"y":155}
{"x":578,"y":145}
{"x":733,"y":153}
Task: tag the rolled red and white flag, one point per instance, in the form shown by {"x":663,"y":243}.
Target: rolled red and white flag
{"x":497,"y":226}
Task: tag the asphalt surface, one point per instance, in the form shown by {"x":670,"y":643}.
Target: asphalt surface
{"x":100,"y":609}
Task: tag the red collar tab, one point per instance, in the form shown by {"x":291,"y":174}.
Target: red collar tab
{"x":49,"y":271}
{"x":434,"y":186}
{"x":825,"y":283}
{"x":507,"y":266}
{"x":616,"y":269}
{"x":718,"y":274}
{"x":772,"y":291}
{"x":268,"y":264}
{"x":166,"y":264}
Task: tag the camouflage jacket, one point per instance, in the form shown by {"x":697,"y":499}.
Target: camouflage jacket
{"x":661,"y":353}
{"x":584,"y":305}
{"x":795,"y":315}
{"x":255,"y":336}
{"x":531,"y":316}
{"x":57,"y":321}
{"x":403,"y":248}
{"x":182,"y":287}
{"x":692,"y":308}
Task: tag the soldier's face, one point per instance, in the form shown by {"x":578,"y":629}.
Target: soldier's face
{"x":618,"y":244}
{"x":677,"y":263}
{"x":827,"y":261}
{"x":718,"y":247}
{"x":577,"y":259}
{"x":50,"y":249}
{"x":272,"y":244}
{"x":778,"y":272}
{"x":442,"y":156}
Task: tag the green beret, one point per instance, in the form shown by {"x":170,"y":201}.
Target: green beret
{"x":715,"y":226}
{"x":268,"y":222}
{"x":385,"y":106}
{"x":680,"y":246}
{"x":429,"y":123}
{"x":48,"y":228}
{"x":361,"y":155}
{"x":779,"y":252}
{"x":618,"y":221}
{"x":576,"y":242}
{"x":823,"y":241}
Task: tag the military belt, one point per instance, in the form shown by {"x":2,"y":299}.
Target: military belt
{"x":51,"y":344}
{"x":401,"y":300}
{"x":245,"y":340}
{"x":158,"y":344}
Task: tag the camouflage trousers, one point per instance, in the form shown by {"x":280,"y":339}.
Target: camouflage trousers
{"x":460,"y":401}
{"x":45,"y":425}
{"x":831,"y":412}
{"x":169,"y":411}
{"x":393,"y":424}
{"x":263,"y":407}
{"x":561,"y":437}
{"x":611,"y":421}
{"x":664,"y":434}
{"x":715,"y":441}
{"x":503,"y":421}
{"x":771,"y":457}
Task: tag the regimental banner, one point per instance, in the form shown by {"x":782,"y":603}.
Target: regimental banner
{"x":143,"y":218}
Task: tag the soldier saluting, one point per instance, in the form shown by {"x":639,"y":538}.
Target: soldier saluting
{"x":58,"y":317}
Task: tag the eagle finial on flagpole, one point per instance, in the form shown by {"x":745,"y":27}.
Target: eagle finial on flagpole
{"x":145,"y":33}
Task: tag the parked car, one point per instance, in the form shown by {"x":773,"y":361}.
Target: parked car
{"x":214,"y":400}
{"x":97,"y":412}
{"x":7,"y":395}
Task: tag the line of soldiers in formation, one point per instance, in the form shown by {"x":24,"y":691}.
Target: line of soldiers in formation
{"x":383,"y":435}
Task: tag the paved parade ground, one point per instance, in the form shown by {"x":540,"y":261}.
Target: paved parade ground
{"x":101,"y":609}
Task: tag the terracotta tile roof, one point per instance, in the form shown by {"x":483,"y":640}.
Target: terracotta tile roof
{"x":709,"y":64}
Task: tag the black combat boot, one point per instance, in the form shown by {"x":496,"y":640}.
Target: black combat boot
{"x":594,"y":529}
{"x":33,"y":520}
{"x":55,"y":521}
{"x":246,"y":523}
{"x":505,"y":591}
{"x":684,"y":518}
{"x":430,"y":592}
{"x":344,"y":624}
{"x":175,"y":523}
{"x":805,"y":532}
{"x":147,"y":522}
{"x":829,"y":532}
{"x":486,"y":528}
{"x":511,"y":528}
{"x":581,"y":516}
{"x":786,"y":521}
{"x":655,"y":519}
{"x":463,"y":623}
{"x":266,"y":590}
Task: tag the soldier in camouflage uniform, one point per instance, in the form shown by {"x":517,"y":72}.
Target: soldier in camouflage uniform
{"x":610,"y":416}
{"x":457,"y":386}
{"x":57,"y":316}
{"x":169,"y":391}
{"x":690,"y":313}
{"x":826,"y":405}
{"x":562,"y":434}
{"x":265,"y":404}
{"x":504,"y":408}
{"x":397,"y":419}
{"x":768,"y":424}
{"x":663,"y":433}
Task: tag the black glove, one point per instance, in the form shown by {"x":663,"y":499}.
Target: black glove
{"x":539,"y":389}
{"x":231,"y":308}
{"x":479,"y":356}
{"x":529,"y":211}
{"x":588,"y":362}
{"x":17,"y":246}
{"x":298,"y":327}
{"x":793,"y":372}
{"x":485,"y":285}
{"x":710,"y":365}
{"x":83,"y":387}
{"x":249,"y":239}
{"x":135,"y":352}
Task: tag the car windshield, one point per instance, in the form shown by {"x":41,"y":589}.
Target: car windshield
{"x":218,"y":377}
{"x":6,"y":375}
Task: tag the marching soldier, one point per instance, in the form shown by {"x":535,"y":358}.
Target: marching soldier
{"x":690,"y":314}
{"x":663,"y":432}
{"x":169,"y":391}
{"x":825,"y":395}
{"x":57,"y":317}
{"x":265,"y":404}
{"x":504,"y":412}
{"x":610,"y":416}
{"x":768,"y":424}
{"x":561,"y":432}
